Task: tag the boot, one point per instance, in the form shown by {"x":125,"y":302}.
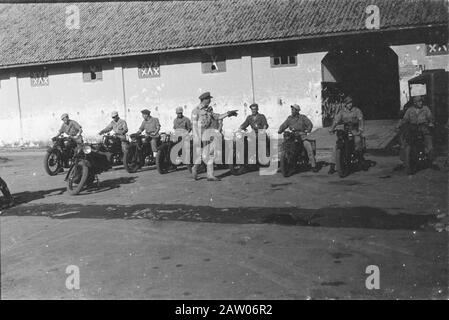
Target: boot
{"x":210,"y":173}
{"x":195,"y":172}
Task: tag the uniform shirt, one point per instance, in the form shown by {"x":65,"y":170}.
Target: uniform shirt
{"x":352,"y":116}
{"x":256,"y":122}
{"x":297,"y":123}
{"x":150,"y":126}
{"x":119,"y":127}
{"x":204,"y":117}
{"x":72,"y":128}
{"x":415,"y":115}
{"x":182,"y":123}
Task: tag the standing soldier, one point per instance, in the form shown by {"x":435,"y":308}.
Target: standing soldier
{"x":203,"y":119}
{"x":119,"y":127}
{"x":300,"y":125}
{"x":151,"y":127}
{"x":71,"y":128}
{"x":256,"y":120}
{"x":353,"y":117}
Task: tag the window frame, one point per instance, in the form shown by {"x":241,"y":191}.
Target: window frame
{"x":87,"y":70}
{"x":280,"y":58}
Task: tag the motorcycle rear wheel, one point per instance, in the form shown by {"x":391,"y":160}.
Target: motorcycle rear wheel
{"x":52,"y":163}
{"x":77,"y":178}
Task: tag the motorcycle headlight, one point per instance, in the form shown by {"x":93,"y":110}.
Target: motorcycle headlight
{"x":87,"y":149}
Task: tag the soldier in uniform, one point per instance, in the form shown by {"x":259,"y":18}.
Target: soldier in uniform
{"x":256,"y":120}
{"x":71,"y":128}
{"x":300,"y":125}
{"x":151,"y":126}
{"x":420,"y":115}
{"x":352,"y":116}
{"x":203,"y":118}
{"x":181,"y":121}
{"x":119,"y":127}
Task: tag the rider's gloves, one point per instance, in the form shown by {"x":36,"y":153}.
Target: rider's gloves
{"x":232,"y":113}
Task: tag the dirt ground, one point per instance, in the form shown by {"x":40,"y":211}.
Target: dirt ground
{"x":152,"y":236}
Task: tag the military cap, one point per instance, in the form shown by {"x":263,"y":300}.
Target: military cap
{"x":145,"y":111}
{"x":205,"y":95}
{"x":179,"y":110}
{"x":254,"y":105}
{"x":347,"y":99}
{"x":64,"y":115}
{"x":296,"y":106}
{"x":114,"y":114}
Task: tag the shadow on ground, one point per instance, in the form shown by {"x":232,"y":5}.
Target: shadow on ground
{"x":336,"y":217}
{"x":106,"y":185}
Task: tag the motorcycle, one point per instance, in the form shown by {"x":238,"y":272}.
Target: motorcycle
{"x":88,"y":162}
{"x":416,"y":157}
{"x":164,"y":163}
{"x":139,"y":153}
{"x":6,"y":194}
{"x":293,"y":155}
{"x":59,"y":155}
{"x":347,"y":160}
{"x":113,"y":144}
{"x":250,"y":162}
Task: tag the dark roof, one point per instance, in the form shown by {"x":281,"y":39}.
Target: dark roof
{"x":36,"y":33}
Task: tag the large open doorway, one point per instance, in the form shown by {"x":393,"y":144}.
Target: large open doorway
{"x":369,"y":75}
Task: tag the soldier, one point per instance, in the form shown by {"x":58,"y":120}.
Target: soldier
{"x":256,"y":120}
{"x":352,"y":116}
{"x":203,"y":118}
{"x":71,"y":128}
{"x":300,"y":125}
{"x":151,"y":127}
{"x":420,"y":115}
{"x":119,"y":127}
{"x":181,"y":121}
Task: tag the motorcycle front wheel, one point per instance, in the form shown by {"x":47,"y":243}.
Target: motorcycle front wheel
{"x":340,"y":164}
{"x":162,"y":161}
{"x":52,"y":162}
{"x":286,"y":165}
{"x":77,"y":178}
{"x":130,"y":159}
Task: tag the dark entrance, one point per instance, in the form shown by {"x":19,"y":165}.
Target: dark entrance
{"x":369,"y":75}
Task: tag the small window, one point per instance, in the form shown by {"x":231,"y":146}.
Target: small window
{"x":39,"y":78}
{"x":92,"y":73}
{"x":283,"y":61}
{"x":149,"y":69}
{"x":213,"y":64}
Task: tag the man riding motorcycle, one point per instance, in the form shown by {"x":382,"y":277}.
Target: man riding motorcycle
{"x":71,"y":128}
{"x":301,"y":126}
{"x":151,"y":126}
{"x":352,"y":117}
{"x":119,"y":127}
{"x":418,"y":114}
